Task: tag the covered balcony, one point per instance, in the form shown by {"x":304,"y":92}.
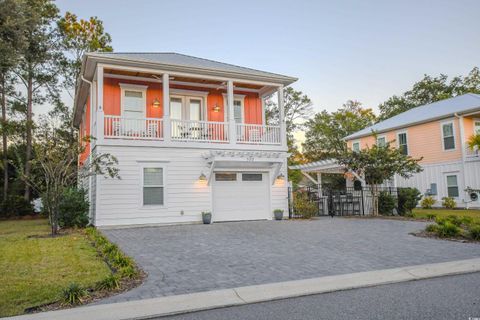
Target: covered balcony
{"x":199,"y":110}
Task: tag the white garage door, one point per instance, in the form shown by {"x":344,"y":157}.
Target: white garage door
{"x":240,"y":196}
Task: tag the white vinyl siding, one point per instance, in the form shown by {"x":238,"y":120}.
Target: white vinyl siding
{"x":448,"y":136}
{"x":153,"y":186}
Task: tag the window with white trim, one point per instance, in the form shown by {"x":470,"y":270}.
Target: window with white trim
{"x":356,"y":146}
{"x":452,"y":186}
{"x":381,"y":141}
{"x":476,"y":127}
{"x":237,"y":110}
{"x":153,"y":186}
{"x":133,"y":103}
{"x":448,"y":136}
{"x":403,"y":143}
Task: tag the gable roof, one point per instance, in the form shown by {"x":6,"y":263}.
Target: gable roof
{"x":463,"y":104}
{"x":183,"y":60}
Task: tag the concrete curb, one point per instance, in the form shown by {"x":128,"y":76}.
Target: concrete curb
{"x":163,"y":306}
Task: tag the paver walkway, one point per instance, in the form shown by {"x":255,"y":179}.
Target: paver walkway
{"x":192,"y":258}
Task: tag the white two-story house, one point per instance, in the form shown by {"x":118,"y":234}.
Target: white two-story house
{"x":190,"y":135}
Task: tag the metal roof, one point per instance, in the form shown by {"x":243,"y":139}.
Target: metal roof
{"x":441,"y":109}
{"x":177,"y":59}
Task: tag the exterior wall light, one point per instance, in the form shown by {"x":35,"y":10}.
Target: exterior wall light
{"x":216,"y":108}
{"x":281,"y":176}
{"x":156,"y":103}
{"x":202,"y":177}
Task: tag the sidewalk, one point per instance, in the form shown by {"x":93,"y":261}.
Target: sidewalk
{"x":149,"y":308}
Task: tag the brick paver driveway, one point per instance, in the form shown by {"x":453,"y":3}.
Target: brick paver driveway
{"x":192,"y":258}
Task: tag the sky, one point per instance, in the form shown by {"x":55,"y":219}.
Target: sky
{"x":339,"y":50}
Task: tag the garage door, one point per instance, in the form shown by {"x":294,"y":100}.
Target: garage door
{"x":240,"y":196}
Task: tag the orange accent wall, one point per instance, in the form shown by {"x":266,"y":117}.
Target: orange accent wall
{"x":84,"y":131}
{"x":111,"y":98}
{"x":425,"y":140}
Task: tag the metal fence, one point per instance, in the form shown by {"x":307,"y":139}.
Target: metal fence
{"x":338,"y":202}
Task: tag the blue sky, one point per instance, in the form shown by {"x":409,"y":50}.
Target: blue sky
{"x":340,"y":50}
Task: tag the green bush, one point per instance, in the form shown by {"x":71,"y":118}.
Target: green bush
{"x":408,"y":199}
{"x":474,"y":232}
{"x":455,"y":220}
{"x":467,"y":220}
{"x":449,"y":202}
{"x":128,"y":272}
{"x":304,"y":206}
{"x":430,"y":216}
{"x":431,"y":228}
{"x":74,"y":294}
{"x":15,"y":206}
{"x":386,"y":203}
{"x":447,"y":229}
{"x":109,"y":283}
{"x":73,"y":208}
{"x":427,"y":202}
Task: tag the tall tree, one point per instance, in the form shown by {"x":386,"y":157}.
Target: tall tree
{"x":430,"y":89}
{"x":325,"y":131}
{"x":12,"y":27}
{"x":36,"y":69}
{"x":79,"y":36}
{"x":378,"y":164}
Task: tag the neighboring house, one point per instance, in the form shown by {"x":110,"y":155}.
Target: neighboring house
{"x":190,"y":135}
{"x":438,"y":132}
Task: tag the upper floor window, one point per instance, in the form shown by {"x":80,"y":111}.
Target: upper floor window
{"x":133,"y":100}
{"x":356,"y":146}
{"x":187,"y":107}
{"x":402,"y":143}
{"x":238,"y":107}
{"x":448,"y":136}
{"x":381,"y":141}
{"x":477,"y":127}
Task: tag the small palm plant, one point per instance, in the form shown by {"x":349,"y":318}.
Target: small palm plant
{"x":474,"y":142}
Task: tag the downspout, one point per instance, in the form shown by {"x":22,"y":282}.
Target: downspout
{"x":462,"y":145}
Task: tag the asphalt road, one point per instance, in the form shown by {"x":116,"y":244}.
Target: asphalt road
{"x":454,"y":297}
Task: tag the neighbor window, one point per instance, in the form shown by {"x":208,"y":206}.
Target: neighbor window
{"x":448,"y":136}
{"x":381,"y":141}
{"x":477,"y":127}
{"x":251,"y":177}
{"x":153,"y":187}
{"x":402,"y":143}
{"x":356,"y":146}
{"x":452,"y":186}
{"x":225,"y":177}
{"x":133,"y":104}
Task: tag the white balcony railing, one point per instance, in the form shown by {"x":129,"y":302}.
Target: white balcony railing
{"x":257,"y":134}
{"x":202,"y":131}
{"x":128,"y":128}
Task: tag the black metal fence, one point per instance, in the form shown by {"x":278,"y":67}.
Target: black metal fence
{"x":348,"y":201}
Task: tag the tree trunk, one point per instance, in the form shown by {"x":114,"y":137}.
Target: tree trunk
{"x":4,"y":139}
{"x":28,"y":152}
{"x":375,"y":199}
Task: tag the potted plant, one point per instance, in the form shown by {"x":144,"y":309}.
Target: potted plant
{"x":278,"y":213}
{"x":206,"y":217}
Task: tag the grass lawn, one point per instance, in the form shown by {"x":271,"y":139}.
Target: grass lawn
{"x":422,"y":213}
{"x":33,"y":271}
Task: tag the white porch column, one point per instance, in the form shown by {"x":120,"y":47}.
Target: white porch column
{"x":100,"y":115}
{"x":232,"y":130}
{"x":281,"y":109}
{"x":319,"y":181}
{"x":167,"y":132}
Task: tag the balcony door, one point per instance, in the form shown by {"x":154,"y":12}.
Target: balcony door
{"x":186,"y":108}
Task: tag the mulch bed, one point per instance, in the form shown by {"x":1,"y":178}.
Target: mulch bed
{"x":431,"y":235}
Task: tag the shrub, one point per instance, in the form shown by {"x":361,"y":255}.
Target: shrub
{"x":304,"y":206}
{"x":109,"y":249}
{"x":474,"y":232}
{"x":467,"y":220}
{"x":431,"y":228}
{"x":430,"y":216}
{"x":449,"y":202}
{"x":120,"y":260}
{"x":128,"y":272}
{"x":408,"y":199}
{"x":74,"y":294}
{"x":386,"y":203}
{"x":427,"y":202}
{"x":73,"y":208}
{"x":447,"y":229}
{"x":15,"y":206}
{"x":109,"y":283}
{"x":455,"y":220}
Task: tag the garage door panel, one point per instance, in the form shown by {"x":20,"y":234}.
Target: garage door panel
{"x":241,"y":200}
